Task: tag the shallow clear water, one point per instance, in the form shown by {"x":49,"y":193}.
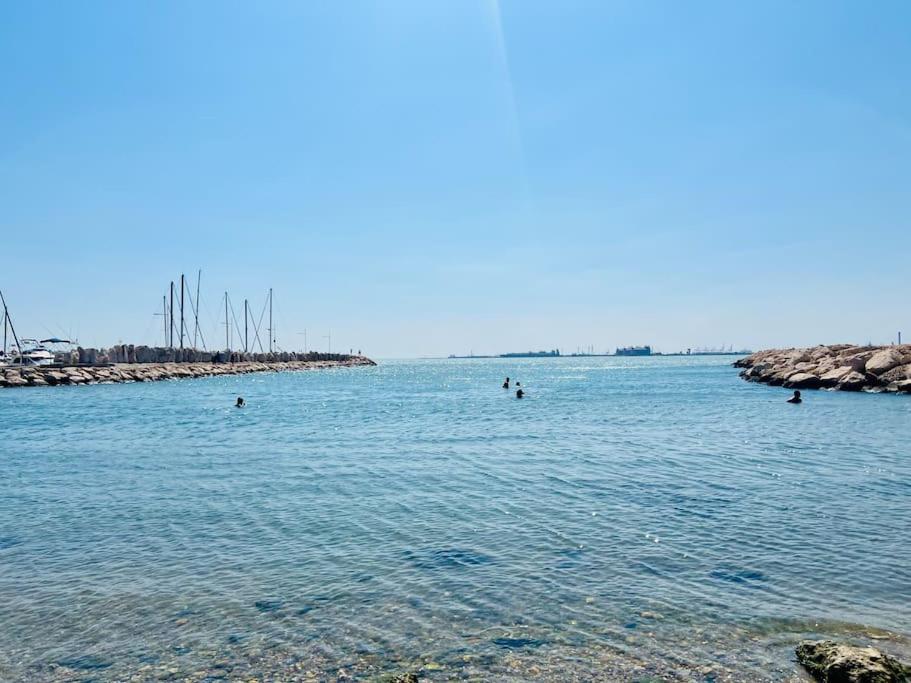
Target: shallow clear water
{"x":630,"y":519}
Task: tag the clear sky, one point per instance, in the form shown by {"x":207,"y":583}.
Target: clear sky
{"x":426,"y":178}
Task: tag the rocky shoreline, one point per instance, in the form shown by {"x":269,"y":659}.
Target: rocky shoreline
{"x":841,"y":367}
{"x":152,"y":372}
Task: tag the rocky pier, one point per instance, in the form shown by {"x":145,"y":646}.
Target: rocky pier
{"x":123,"y":365}
{"x":841,"y":366}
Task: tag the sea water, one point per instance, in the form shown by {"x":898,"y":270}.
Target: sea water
{"x":630,"y":519}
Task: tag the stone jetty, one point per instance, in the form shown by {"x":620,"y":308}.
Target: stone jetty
{"x":143,"y":364}
{"x":840,"y":366}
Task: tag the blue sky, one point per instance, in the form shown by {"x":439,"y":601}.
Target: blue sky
{"x":425,"y":178}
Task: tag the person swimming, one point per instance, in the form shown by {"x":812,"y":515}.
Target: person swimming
{"x":506,"y":383}
{"x":240,"y":402}
{"x":520,"y":393}
{"x":795,"y":398}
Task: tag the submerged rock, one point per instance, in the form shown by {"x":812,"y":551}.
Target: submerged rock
{"x":832,"y":662}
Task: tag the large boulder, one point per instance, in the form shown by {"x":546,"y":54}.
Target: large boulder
{"x":853,"y":381}
{"x":831,"y":662}
{"x":883,"y":361}
{"x":54,"y":377}
{"x":896,"y":374}
{"x":858,"y":361}
{"x":803,"y":380}
{"x":833,"y":377}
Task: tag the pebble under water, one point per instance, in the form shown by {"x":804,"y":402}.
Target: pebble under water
{"x":630,"y":519}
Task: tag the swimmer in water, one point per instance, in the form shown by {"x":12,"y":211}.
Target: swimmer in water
{"x":520,"y":393}
{"x":795,"y":398}
{"x":506,"y":383}
{"x":240,"y":402}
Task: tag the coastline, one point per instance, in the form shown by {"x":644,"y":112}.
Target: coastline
{"x":116,"y":373}
{"x":842,"y":367}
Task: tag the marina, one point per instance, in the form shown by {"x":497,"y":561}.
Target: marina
{"x":26,"y":362}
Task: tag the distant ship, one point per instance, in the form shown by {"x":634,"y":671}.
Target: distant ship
{"x":555,"y":353}
{"x":532,"y":354}
{"x":634,"y":351}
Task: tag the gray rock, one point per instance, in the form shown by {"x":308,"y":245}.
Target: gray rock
{"x":896,"y":374}
{"x":55,"y":377}
{"x":883,"y":361}
{"x":858,"y":361}
{"x":833,"y":377}
{"x":853,"y":381}
{"x":803,"y":380}
{"x":831,"y":662}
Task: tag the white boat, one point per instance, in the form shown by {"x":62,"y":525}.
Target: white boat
{"x":25,"y":351}
{"x":33,"y":354}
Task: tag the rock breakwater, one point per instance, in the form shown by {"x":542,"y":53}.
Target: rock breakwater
{"x":151,"y":372}
{"x":840,"y":366}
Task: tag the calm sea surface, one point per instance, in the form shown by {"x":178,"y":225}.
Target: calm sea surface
{"x":630,"y":519}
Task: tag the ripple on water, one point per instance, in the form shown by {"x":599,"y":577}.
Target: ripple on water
{"x":626,"y":524}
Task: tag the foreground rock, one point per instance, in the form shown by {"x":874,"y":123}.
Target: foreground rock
{"x":150,"y":372}
{"x":832,"y":662}
{"x":841,"y":366}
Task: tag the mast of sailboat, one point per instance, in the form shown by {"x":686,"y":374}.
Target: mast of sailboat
{"x":164,"y":315}
{"x":196,"y":310}
{"x":171,"y":340}
{"x":227,"y":327}
{"x":182,"y":288}
{"x":246,"y":326}
{"x":271,"y":331}
{"x":8,"y":320}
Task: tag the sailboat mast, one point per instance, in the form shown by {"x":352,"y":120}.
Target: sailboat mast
{"x":227,"y":328}
{"x":246,"y":327}
{"x":164,"y":317}
{"x":271,"y":332}
{"x":12,"y":329}
{"x":196,"y":309}
{"x":171,"y":345}
{"x":182,"y":288}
